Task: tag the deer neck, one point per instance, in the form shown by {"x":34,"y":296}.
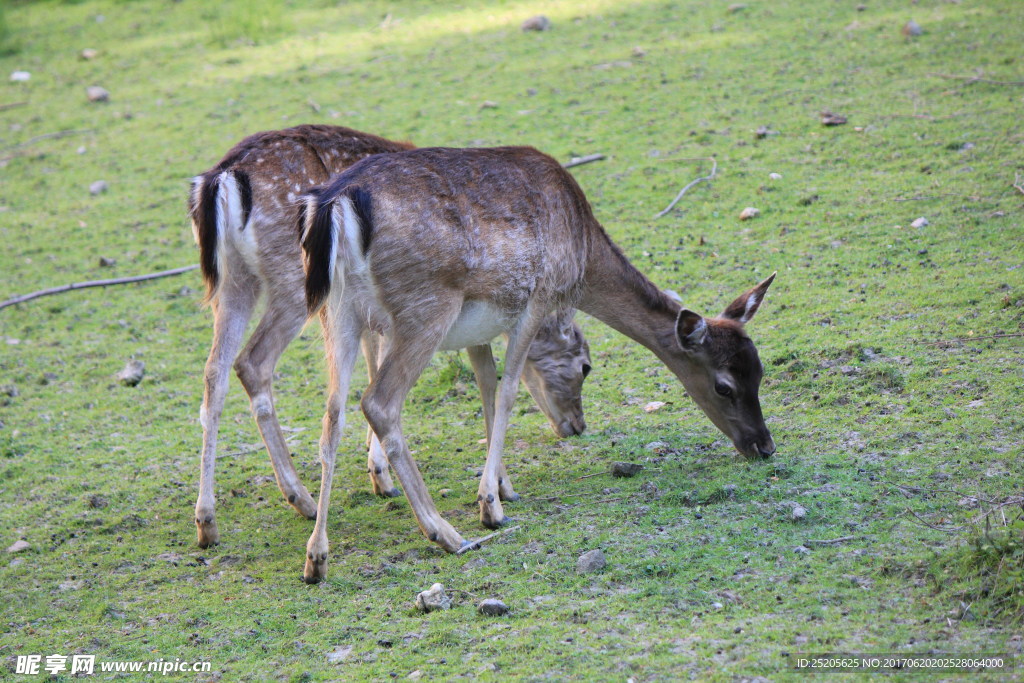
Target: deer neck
{"x":619,"y":295}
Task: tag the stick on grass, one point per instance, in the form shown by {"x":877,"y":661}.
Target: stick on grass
{"x":708,"y":178}
{"x":95,"y":283}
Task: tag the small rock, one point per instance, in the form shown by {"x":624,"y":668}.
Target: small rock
{"x":488,"y":104}
{"x":654,"y":406}
{"x":650,"y":488}
{"x":537,"y":23}
{"x":911,"y":29}
{"x":830,"y":119}
{"x":802,"y":550}
{"x":18,"y":546}
{"x":748,"y":213}
{"x":626,"y":469}
{"x":657,"y":446}
{"x":339,"y":654}
{"x":919,"y":223}
{"x":591,"y":561}
{"x":433,"y":599}
{"x":415,"y":675}
{"x":132,"y":373}
{"x":81,"y":150}
{"x":98,"y":187}
{"x":717,"y":605}
{"x":97,"y":94}
{"x":20,"y":76}
{"x":861,"y":7}
{"x":848,"y":370}
{"x":798,"y":513}
{"x":98,"y":502}
{"x":775,"y":176}
{"x":88,"y":53}
{"x":639,"y":51}
{"x":10,"y":390}
{"x":445,"y":492}
{"x":107,"y":262}
{"x":492,"y":607}
{"x":763,"y":132}
{"x":736,"y":7}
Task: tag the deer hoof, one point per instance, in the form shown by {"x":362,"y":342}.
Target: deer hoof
{"x":492,"y":517}
{"x":510,"y":498}
{"x":206,"y":531}
{"x":316,"y":569}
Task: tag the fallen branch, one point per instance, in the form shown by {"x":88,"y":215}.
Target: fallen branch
{"x":12,"y":105}
{"x":49,"y":136}
{"x":595,"y":474}
{"x":95,"y":283}
{"x":928,"y":524}
{"x":579,"y":161}
{"x":976,"y":79}
{"x":830,"y":541}
{"x":980,"y":336}
{"x":475,"y":545}
{"x":708,"y":178}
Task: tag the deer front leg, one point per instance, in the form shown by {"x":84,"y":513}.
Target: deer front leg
{"x":382,"y":406}
{"x":494,"y":475}
{"x":342,"y":348}
{"x":281,"y":323}
{"x":374,"y":348}
{"x":231,"y":312}
{"x":482,"y":361}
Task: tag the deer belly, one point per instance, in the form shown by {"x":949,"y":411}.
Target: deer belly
{"x":478,"y":323}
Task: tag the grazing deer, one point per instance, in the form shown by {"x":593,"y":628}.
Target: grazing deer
{"x":243,"y":214}
{"x":442,"y":248}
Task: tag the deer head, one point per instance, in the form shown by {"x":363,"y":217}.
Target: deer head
{"x":558,"y":362}
{"x":723,"y":372}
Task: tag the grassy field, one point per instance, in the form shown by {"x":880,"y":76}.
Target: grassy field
{"x":893,"y":353}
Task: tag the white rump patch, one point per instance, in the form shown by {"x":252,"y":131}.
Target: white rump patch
{"x":231,"y":229}
{"x":197,"y":192}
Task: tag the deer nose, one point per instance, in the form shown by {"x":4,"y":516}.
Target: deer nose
{"x":765,"y":449}
{"x":571,"y":426}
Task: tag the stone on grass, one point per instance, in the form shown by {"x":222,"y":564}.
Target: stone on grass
{"x":654,"y":406}
{"x":96,"y":93}
{"x":830,"y":119}
{"x":433,"y":599}
{"x":591,"y":561}
{"x":339,"y":654}
{"x":911,"y":29}
{"x":748,"y":213}
{"x":18,"y":546}
{"x":919,"y":223}
{"x":492,"y":607}
{"x":132,"y":373}
{"x":20,"y":76}
{"x":775,"y":176}
{"x":802,"y":550}
{"x":798,"y":513}
{"x":107,"y":262}
{"x":98,"y":187}
{"x":88,"y":53}
{"x":626,"y":469}
{"x":537,"y":23}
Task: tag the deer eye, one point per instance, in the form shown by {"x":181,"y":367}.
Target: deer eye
{"x":723,"y":389}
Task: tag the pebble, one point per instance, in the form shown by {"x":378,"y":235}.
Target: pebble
{"x":98,"y":187}
{"x":775,"y":176}
{"x":88,"y":53}
{"x":626,"y":469}
{"x":18,"y":546}
{"x":97,"y":94}
{"x":591,"y":561}
{"x":654,"y":406}
{"x":339,"y":654}
{"x":537,"y":23}
{"x":20,"y":76}
{"x":492,"y":607}
{"x":919,"y":223}
{"x":911,"y":29}
{"x":106,"y":262}
{"x":433,"y":599}
{"x":798,"y":513}
{"x":802,"y":550}
{"x":748,"y":213}
{"x":132,"y":373}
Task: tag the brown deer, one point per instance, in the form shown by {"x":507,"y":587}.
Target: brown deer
{"x":243,"y":214}
{"x":440,"y":248}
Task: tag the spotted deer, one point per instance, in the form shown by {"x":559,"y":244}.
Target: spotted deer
{"x":441,"y":248}
{"x":243,"y":213}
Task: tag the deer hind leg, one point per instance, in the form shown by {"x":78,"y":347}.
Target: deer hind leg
{"x":231,"y":311}
{"x":492,"y":515}
{"x":376,"y":460}
{"x":342,"y":341}
{"x":487,"y":381}
{"x":382,"y":405}
{"x":280,"y":324}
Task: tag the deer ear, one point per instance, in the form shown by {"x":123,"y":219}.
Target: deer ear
{"x":690,"y":329}
{"x":745,"y":306}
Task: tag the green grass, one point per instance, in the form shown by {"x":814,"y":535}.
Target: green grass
{"x":902,"y":444}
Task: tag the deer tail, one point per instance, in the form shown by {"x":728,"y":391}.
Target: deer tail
{"x":218,"y":201}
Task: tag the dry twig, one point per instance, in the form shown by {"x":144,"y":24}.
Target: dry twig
{"x":830,"y":541}
{"x":475,"y":545}
{"x":12,"y":105}
{"x":579,"y":161}
{"x":976,"y":79}
{"x":969,"y":339}
{"x":95,"y":283}
{"x":933,"y":526}
{"x":708,"y":178}
{"x":49,"y":136}
{"x":1016,"y":183}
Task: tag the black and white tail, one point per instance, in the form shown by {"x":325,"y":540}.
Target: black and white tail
{"x":335,"y":218}
{"x":219,"y":200}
